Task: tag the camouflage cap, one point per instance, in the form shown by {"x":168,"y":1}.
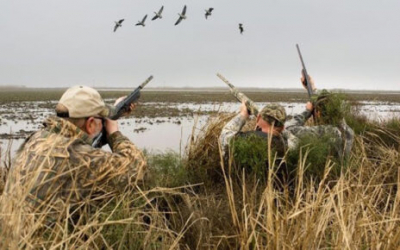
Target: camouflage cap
{"x":275,"y":111}
{"x":83,"y":101}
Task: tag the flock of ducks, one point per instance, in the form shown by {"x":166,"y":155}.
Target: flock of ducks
{"x":182,"y":16}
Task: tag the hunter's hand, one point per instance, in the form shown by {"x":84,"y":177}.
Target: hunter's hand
{"x":309,"y":106}
{"x":243,"y":110}
{"x":132,"y":106}
{"x":302,"y":79}
{"x":111,"y":126}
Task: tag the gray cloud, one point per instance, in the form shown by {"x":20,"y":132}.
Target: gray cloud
{"x":345,"y":43}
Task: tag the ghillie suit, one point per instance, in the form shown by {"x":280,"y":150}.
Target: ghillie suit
{"x":330,"y":107}
{"x":329,"y":113}
{"x":57,"y":177}
{"x":331,"y":139}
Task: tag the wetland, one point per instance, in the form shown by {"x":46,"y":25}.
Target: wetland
{"x":165,"y":119}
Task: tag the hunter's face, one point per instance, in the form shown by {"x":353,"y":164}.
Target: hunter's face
{"x":94,"y":126}
{"x":99,"y":126}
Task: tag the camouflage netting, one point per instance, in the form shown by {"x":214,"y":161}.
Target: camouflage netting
{"x":331,"y":106}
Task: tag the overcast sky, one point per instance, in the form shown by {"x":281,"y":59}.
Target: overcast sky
{"x":345,"y":43}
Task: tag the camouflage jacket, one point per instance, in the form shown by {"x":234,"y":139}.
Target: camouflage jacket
{"x":57,"y":167}
{"x":294,"y":128}
{"x":342,"y":135}
{"x":233,"y":128}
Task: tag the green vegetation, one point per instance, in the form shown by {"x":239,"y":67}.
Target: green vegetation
{"x":331,"y":107}
{"x":253,"y":155}
{"x":250,"y":154}
{"x":167,"y":170}
{"x":315,"y":151}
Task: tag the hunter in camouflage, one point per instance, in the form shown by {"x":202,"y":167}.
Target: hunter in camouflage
{"x":272,"y":120}
{"x":341,"y":135}
{"x":328,"y":111}
{"x":57,"y":171}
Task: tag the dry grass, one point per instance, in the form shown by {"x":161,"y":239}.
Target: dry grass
{"x":357,"y":210}
{"x":5,"y":164}
{"x":203,"y":156}
{"x":360,"y":211}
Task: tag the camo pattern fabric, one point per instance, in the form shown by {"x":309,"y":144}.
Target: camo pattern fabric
{"x":342,"y":136}
{"x":242,"y":97}
{"x":275,"y":111}
{"x":228,"y":133}
{"x":234,"y":126}
{"x":57,"y":168}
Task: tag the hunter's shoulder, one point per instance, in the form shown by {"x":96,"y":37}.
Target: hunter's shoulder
{"x":120,"y":146}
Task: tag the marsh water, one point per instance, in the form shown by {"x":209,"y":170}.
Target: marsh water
{"x":155,"y":134}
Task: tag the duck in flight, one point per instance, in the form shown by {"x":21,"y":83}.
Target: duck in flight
{"x":158,"y":14}
{"x":181,"y":15}
{"x":241,"y":28}
{"x":118,"y":24}
{"x":208,"y":12}
{"x":141,"y":23}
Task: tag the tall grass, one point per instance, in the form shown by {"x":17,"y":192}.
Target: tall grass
{"x":199,"y":201}
{"x":360,"y":211}
{"x":5,"y":164}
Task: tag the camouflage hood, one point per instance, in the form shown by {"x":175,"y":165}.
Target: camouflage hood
{"x":332,"y":107}
{"x":66,"y":129}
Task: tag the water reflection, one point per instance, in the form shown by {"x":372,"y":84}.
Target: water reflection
{"x":162,"y":133}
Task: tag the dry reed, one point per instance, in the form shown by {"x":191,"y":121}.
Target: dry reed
{"x":357,"y":210}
